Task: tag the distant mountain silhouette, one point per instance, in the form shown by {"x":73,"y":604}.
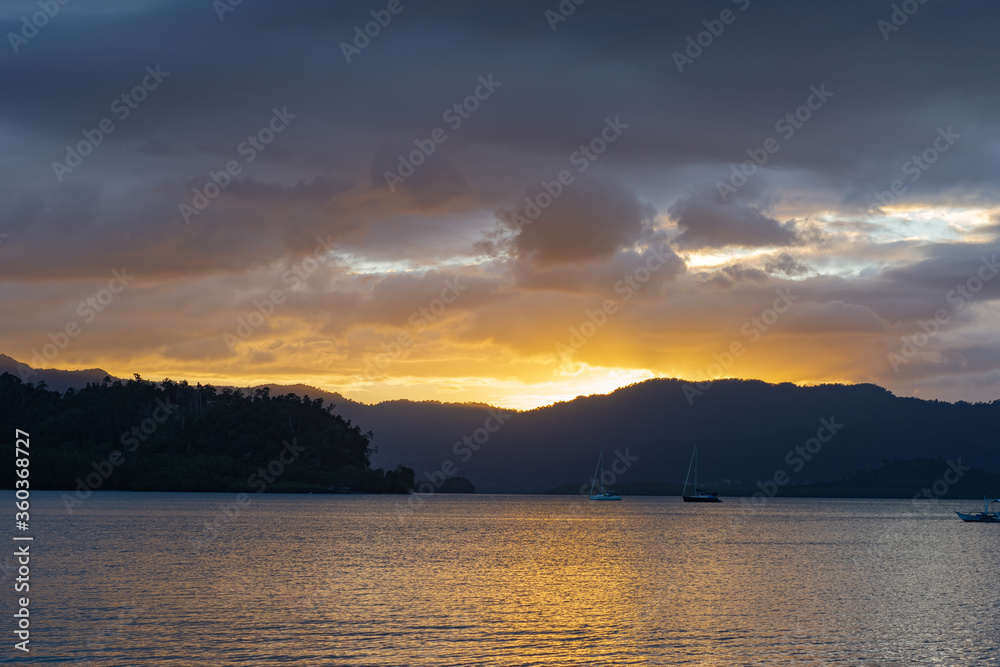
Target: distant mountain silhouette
{"x":54,"y":379}
{"x":925,"y":479}
{"x":748,"y":431}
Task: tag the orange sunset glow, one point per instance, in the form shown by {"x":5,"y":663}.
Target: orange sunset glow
{"x":507,"y":328}
{"x":438,"y":250}
{"x":521,"y":333}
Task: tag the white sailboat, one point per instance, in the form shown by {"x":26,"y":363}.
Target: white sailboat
{"x":604,"y":494}
{"x":699,"y":495}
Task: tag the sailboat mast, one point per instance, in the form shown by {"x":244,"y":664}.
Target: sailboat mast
{"x":694,"y":454}
{"x":696,"y":469}
{"x":602,"y":471}
{"x":600,"y":466}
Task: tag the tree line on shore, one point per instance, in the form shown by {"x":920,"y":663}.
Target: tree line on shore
{"x":140,"y":435}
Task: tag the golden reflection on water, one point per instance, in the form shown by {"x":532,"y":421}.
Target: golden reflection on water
{"x":505,"y":580}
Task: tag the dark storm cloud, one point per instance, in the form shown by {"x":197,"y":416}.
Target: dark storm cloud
{"x":786,"y":264}
{"x":434,"y":183}
{"x":589,"y":220}
{"x":995,"y":228}
{"x":952,"y":277}
{"x":946,"y":267}
{"x":253,"y":224}
{"x":706,"y":221}
{"x":739,"y":273}
{"x":556,"y":88}
{"x":782,"y":264}
{"x":753,"y":87}
{"x":605,"y":279}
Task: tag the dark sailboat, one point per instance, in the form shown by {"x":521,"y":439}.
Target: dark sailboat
{"x":699,"y":495}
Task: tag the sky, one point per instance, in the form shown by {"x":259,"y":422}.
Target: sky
{"x":513,"y":203}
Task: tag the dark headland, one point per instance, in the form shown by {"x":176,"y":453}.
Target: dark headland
{"x":819,"y":441}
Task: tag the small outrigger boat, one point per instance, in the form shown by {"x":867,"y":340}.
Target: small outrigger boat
{"x":986,"y":516}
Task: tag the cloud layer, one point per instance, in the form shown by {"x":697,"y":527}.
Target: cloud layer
{"x":674,"y":205}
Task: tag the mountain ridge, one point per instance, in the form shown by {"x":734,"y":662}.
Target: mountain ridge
{"x":747,"y":430}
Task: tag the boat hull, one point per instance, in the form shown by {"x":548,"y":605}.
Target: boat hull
{"x":988,"y":515}
{"x":605,"y":494}
{"x":702,"y":499}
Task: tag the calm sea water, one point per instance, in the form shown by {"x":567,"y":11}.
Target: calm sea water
{"x":138,"y":579}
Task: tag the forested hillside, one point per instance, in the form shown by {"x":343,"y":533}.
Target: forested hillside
{"x":170,"y":436}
